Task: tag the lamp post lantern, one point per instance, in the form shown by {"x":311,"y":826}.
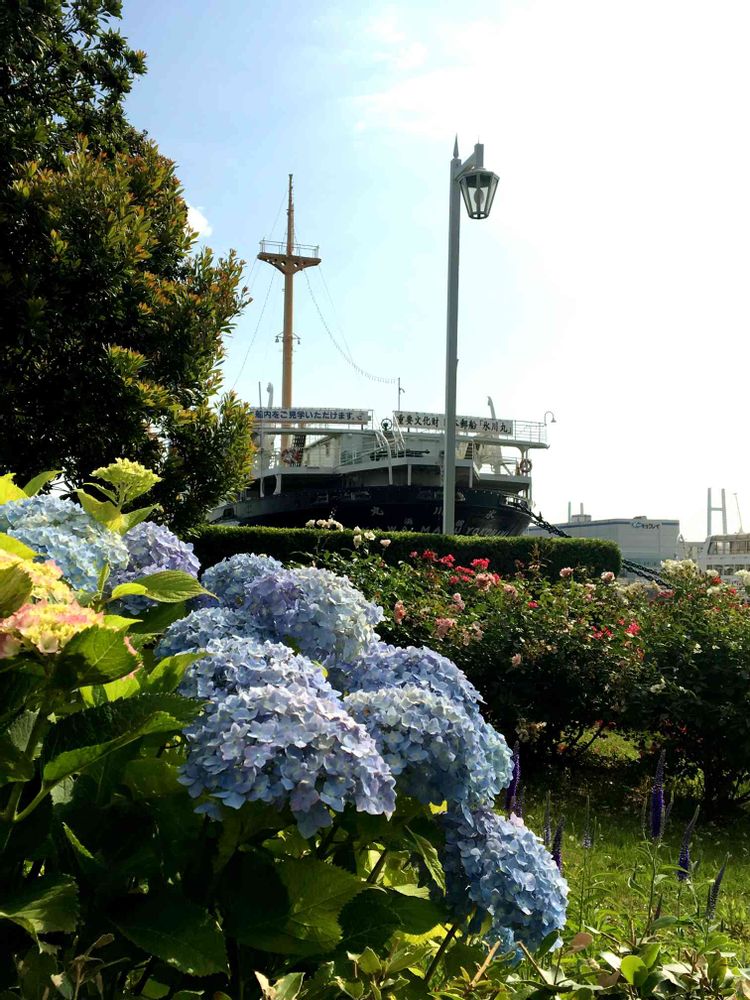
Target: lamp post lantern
{"x":477,"y":186}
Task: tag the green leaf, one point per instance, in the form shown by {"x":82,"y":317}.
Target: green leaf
{"x":124,"y":687}
{"x":10,"y":544}
{"x":369,"y":919}
{"x":417,"y":916}
{"x":88,"y":864}
{"x":39,"y":482}
{"x":124,"y":589}
{"x":127,"y":521}
{"x":168,"y":672}
{"x":317,"y":893}
{"x":15,"y":589}
{"x":650,"y":953}
{"x":9,"y":490}
{"x":151,"y":778}
{"x":173,"y":928}
{"x":119,"y":622}
{"x":14,"y":765}
{"x":101,"y":510}
{"x":633,"y":969}
{"x":170,"y":586}
{"x":368,"y":962}
{"x":430,"y":858}
{"x":157,"y":619}
{"x":95,"y":656}
{"x":79,"y":740}
{"x":49,"y":903}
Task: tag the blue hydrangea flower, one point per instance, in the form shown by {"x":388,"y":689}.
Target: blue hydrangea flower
{"x":285,"y":747}
{"x":319,"y":613}
{"x":61,"y":530}
{"x":383,"y":666}
{"x":434,"y":748}
{"x":198,"y":628}
{"x":235,"y":664}
{"x":228,"y":578}
{"x":152,"y":549}
{"x":502,"y":868}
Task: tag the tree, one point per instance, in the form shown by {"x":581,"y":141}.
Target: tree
{"x":112,"y":326}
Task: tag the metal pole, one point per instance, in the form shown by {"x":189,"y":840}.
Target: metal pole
{"x":288,"y":335}
{"x":451,"y":352}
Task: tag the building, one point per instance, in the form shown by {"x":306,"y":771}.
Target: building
{"x":641,"y":539}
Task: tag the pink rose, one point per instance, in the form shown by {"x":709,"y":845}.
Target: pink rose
{"x":399,"y":612}
{"x":515,"y":660}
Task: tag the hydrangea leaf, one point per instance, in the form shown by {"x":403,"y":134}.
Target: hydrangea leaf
{"x":49,"y":903}
{"x":168,"y":672}
{"x":430,"y":858}
{"x":80,"y":740}
{"x":159,"y":618}
{"x":318,"y":892}
{"x":101,"y":510}
{"x":134,"y":517}
{"x":15,"y":589}
{"x":16,"y":548}
{"x":14,"y":765}
{"x":95,"y":656}
{"x":39,"y":482}
{"x":173,"y":928}
{"x":369,"y":920}
{"x":124,"y":589}
{"x":417,"y":916}
{"x":170,"y":586}
{"x":151,"y":778}
{"x":9,"y":490}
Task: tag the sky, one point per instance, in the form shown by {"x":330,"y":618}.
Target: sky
{"x":609,"y":284}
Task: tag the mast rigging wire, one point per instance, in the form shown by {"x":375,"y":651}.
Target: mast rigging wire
{"x":257,"y":327}
{"x":342,"y":352}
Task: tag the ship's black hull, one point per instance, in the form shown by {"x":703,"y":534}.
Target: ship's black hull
{"x":388,"y":508}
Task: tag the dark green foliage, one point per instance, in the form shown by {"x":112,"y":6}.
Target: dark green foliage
{"x":111,"y":328}
{"x":216,"y":542}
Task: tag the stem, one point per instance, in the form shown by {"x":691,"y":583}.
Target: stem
{"x":39,"y":797}
{"x":138,"y":988}
{"x":9,"y":814}
{"x":440,"y":952}
{"x":377,"y":867}
{"x":483,"y":967}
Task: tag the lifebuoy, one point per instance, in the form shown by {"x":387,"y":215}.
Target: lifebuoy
{"x":524,"y":466}
{"x":287,"y":456}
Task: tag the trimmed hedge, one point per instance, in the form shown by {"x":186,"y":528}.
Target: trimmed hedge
{"x":216,"y":542}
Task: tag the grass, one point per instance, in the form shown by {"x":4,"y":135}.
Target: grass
{"x":615,"y":872}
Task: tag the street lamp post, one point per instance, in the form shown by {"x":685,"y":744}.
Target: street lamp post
{"x":477,"y":186}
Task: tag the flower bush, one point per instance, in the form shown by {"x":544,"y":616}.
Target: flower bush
{"x":152,"y":548}
{"x":694,"y":699}
{"x":553,"y":661}
{"x":510,"y":876}
{"x":66,"y":534}
{"x":189,"y":786}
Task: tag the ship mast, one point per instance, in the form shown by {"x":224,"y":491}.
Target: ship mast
{"x":289,"y":259}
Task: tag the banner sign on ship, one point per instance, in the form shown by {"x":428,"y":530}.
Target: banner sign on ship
{"x":317,"y":416}
{"x":436,"y":421}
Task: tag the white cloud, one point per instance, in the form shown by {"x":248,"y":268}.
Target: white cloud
{"x":198,"y":221}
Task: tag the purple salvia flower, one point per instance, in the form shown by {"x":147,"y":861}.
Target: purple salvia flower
{"x":547,"y":822}
{"x":518,"y":810}
{"x":512,"y":792}
{"x":683,"y":863}
{"x":713,"y":893}
{"x":557,"y":844}
{"x":657,"y":800}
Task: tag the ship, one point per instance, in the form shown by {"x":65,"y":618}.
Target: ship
{"x":320,"y":462}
